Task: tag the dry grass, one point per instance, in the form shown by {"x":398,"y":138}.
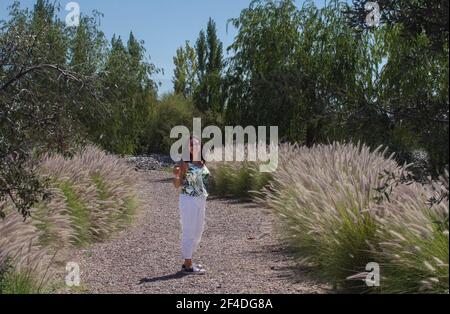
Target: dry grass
{"x":237,"y":179}
{"x":97,"y":190}
{"x":21,"y":252}
{"x":414,"y":238}
{"x":92,"y":196}
{"x":329,"y":200}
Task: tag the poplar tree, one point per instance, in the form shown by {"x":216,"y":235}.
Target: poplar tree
{"x":209,"y":95}
{"x":185,"y":72}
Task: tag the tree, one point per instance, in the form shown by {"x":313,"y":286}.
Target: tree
{"x":129,"y":91}
{"x":319,"y":78}
{"x":87,"y":50}
{"x":185,"y":73}
{"x":293,"y":68}
{"x":39,"y":99}
{"x":55,"y":99}
{"x":263,"y":50}
{"x":209,"y":95}
{"x":413,"y":86}
{"x":428,"y":17}
{"x":169,"y":111}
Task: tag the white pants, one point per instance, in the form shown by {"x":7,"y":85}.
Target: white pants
{"x":192,"y":214}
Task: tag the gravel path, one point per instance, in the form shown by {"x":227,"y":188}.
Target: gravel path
{"x":238,"y":249}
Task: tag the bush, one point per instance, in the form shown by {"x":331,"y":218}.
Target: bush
{"x":94,"y":190}
{"x":170,"y":111}
{"x":414,"y":238}
{"x":237,"y":179}
{"x":344,"y":206}
{"x":324,"y":194}
{"x":24,"y":281}
{"x":24,"y":263}
{"x":92,"y":195}
{"x":338,"y":219}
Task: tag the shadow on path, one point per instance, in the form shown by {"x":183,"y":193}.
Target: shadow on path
{"x":175,"y":276}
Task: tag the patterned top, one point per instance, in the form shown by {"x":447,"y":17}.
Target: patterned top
{"x":196,"y":181}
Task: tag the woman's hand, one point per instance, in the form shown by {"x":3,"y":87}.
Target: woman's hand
{"x":178,"y":172}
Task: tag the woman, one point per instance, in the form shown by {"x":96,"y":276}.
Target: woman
{"x":192,"y":177}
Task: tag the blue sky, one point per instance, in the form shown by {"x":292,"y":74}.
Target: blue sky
{"x":164,"y":25}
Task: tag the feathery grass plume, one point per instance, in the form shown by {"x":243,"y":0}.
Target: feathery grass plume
{"x":97,"y":191}
{"x":52,"y":218}
{"x":237,"y":179}
{"x":24,"y":263}
{"x":324,"y":195}
{"x":414,"y":229}
{"x":92,"y":195}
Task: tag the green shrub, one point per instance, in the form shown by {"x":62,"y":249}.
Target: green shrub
{"x":170,"y":111}
{"x":79,"y":214}
{"x":20,"y":282}
{"x":237,"y":179}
